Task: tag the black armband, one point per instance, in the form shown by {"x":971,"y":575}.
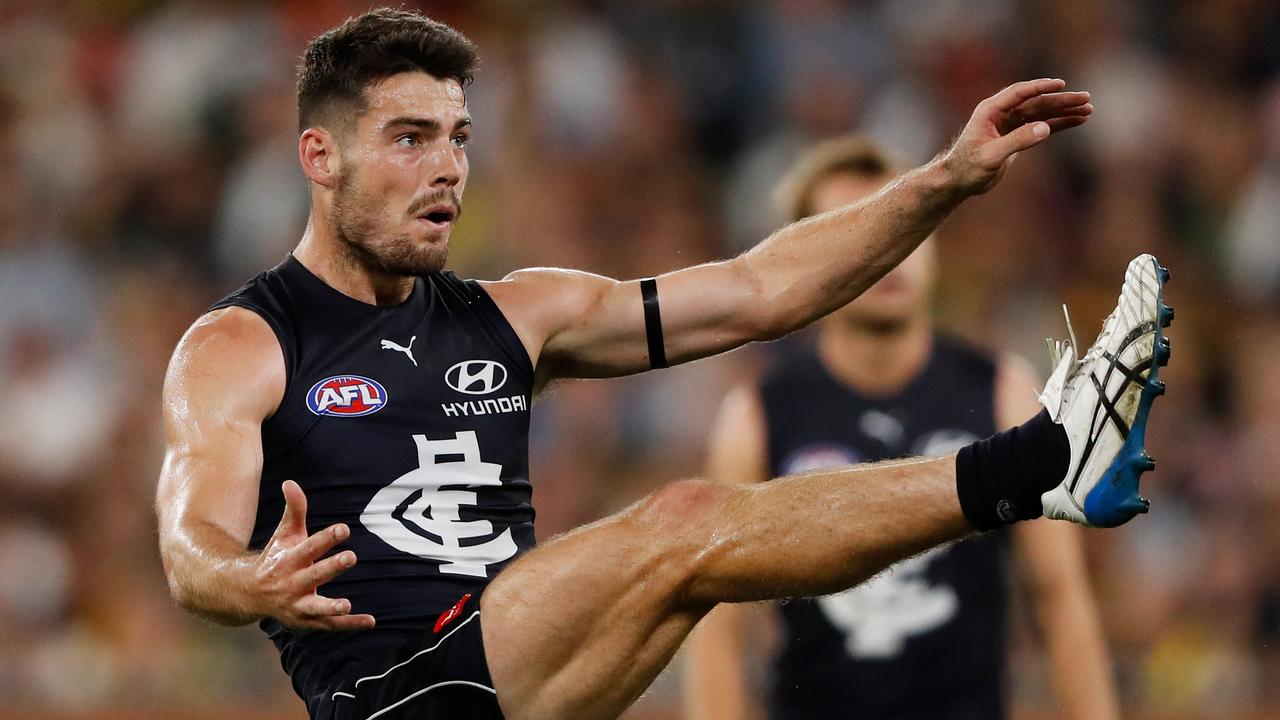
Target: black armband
{"x":653,"y":323}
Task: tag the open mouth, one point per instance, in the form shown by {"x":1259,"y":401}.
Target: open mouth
{"x":439,"y":215}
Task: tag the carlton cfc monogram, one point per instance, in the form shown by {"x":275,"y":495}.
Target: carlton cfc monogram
{"x":416,"y":514}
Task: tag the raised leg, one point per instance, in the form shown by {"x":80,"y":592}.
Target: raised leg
{"x":579,"y":627}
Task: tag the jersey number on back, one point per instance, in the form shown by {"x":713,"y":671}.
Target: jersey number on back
{"x":414,"y":514}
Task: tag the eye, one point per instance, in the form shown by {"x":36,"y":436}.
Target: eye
{"x":409,"y":140}
{"x":461,"y":140}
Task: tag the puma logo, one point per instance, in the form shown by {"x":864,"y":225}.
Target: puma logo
{"x":392,"y":345}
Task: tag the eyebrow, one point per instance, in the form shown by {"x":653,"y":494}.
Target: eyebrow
{"x":426,"y":124}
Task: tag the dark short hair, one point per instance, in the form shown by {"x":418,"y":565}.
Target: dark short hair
{"x":853,"y":155}
{"x":340,"y":63}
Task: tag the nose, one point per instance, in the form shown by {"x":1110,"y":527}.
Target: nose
{"x":448,"y":168}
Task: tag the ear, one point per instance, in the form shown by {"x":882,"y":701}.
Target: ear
{"x":318,"y":153}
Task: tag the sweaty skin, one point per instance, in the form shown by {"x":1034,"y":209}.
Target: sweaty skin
{"x":652,"y":571}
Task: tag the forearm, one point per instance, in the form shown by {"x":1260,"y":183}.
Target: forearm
{"x":209,"y":574}
{"x":812,"y":267}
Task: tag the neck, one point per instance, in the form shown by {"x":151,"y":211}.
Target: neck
{"x":329,"y":258}
{"x":875,"y":360}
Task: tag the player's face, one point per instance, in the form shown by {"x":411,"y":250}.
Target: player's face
{"x":404,"y":167}
{"x":899,"y":297}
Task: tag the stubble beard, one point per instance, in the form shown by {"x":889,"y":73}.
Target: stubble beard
{"x":875,"y":323}
{"x":358,"y":232}
{"x":881,"y":325}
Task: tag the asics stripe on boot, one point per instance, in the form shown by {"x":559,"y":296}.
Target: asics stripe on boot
{"x":1102,"y":401}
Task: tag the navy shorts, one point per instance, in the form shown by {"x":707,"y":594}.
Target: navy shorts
{"x":444,"y":677}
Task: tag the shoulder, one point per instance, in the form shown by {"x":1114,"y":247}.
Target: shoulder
{"x":546,"y":285}
{"x":226,"y":331}
{"x":449,"y":280}
{"x":229,"y":356}
{"x":541,"y":302}
{"x":1013,"y":368}
{"x":1016,"y":390}
{"x":741,"y":407}
{"x":738,"y":440}
{"x":273,"y":295}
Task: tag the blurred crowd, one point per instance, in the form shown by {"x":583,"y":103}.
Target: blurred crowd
{"x":148,"y":165}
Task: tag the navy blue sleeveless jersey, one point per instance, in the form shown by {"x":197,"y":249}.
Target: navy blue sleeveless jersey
{"x":925,"y":639}
{"x":408,"y":423}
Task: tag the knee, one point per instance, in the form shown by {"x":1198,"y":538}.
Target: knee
{"x":683,"y":510}
{"x":684,"y":520}
{"x":686,"y":526}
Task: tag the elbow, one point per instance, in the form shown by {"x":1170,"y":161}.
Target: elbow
{"x":189,"y":599}
{"x":180,"y":587}
{"x":773,"y":318}
{"x":768,"y":316}
{"x":179,"y":590}
{"x":770,"y":325}
{"x":199,"y":583}
{"x":182,"y":597}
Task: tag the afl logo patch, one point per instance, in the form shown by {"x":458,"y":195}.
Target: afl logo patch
{"x":347,"y":396}
{"x":476,"y":377}
{"x":820,"y":456}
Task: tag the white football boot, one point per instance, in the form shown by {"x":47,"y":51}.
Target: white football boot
{"x":1102,"y":401}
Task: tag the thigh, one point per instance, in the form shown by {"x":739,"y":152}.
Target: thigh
{"x":440,"y":677}
{"x":580,"y":626}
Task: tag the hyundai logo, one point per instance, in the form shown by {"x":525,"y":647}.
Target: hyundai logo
{"x":476,"y":377}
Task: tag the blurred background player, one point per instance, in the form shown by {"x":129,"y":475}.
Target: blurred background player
{"x":925,"y":639}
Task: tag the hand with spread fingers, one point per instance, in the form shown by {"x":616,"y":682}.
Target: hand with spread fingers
{"x":1018,"y":117}
{"x":291,"y":567}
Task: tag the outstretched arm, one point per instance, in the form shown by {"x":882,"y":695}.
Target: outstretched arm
{"x":580,"y":325}
{"x":226,"y":377}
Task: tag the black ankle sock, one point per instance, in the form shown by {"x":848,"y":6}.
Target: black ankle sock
{"x":1000,"y":479}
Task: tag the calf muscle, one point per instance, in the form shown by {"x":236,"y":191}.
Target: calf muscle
{"x":823,"y":532}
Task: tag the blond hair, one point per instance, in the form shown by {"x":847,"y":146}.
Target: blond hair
{"x":853,"y":154}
